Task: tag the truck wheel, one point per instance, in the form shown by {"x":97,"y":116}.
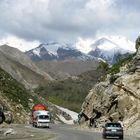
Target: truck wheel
{"x":37,"y":125}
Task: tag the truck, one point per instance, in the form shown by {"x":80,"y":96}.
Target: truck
{"x":40,"y":116}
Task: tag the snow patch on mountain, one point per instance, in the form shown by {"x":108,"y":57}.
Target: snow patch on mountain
{"x":52,"y":47}
{"x":73,"y":115}
{"x":108,"y":48}
{"x":57,"y":51}
{"x":36,"y":52}
{"x":104,"y":44}
{"x":123,"y":42}
{"x":107,"y":43}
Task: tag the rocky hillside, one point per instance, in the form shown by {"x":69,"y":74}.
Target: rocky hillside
{"x":14,"y":99}
{"x":16,"y":102}
{"x":117,"y":98}
{"x":20,"y":67}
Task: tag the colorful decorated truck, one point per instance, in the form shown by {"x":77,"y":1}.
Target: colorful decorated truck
{"x":40,"y":116}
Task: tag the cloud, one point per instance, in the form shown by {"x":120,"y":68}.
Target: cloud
{"x":67,"y":20}
{"x":19,"y":43}
{"x":84,"y":45}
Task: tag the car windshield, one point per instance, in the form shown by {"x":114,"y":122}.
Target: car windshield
{"x":44,"y":117}
{"x":113,"y":125}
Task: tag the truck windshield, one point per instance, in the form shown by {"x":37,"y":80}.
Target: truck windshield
{"x":44,"y":117}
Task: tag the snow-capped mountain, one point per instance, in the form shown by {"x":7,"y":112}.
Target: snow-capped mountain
{"x":56,"y":51}
{"x":108,"y":48}
{"x":87,"y":45}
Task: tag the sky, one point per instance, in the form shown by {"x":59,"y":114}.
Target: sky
{"x":27,"y":23}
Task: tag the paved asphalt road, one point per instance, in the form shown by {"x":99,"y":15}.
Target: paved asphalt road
{"x":56,"y":132}
{"x":65,"y":132}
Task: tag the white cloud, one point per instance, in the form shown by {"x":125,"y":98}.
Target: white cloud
{"x":84,"y":45}
{"x":19,"y":43}
{"x":101,"y":5}
{"x":66,"y":20}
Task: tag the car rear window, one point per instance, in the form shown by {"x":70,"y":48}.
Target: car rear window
{"x":113,"y":125}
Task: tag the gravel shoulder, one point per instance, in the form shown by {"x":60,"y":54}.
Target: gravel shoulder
{"x":24,"y":132}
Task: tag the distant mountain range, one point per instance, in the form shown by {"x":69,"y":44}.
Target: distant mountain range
{"x":106,"y":48}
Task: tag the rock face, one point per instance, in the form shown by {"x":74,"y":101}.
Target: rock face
{"x":117,"y":101}
{"x":138,"y":45}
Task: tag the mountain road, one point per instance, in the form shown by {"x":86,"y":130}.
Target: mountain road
{"x":56,"y":132}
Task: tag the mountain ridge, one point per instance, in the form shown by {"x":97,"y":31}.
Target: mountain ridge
{"x":59,"y":52}
{"x":105,"y":48}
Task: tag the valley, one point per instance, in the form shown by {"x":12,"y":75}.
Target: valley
{"x":91,"y":87}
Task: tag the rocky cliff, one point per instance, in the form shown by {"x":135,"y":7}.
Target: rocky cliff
{"x":117,"y":100}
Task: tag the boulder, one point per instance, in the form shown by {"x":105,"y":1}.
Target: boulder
{"x":8,"y":117}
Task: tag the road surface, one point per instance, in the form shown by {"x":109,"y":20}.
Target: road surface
{"x":56,"y":132}
{"x":65,"y":132}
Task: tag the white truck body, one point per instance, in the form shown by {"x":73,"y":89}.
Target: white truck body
{"x":41,"y":118}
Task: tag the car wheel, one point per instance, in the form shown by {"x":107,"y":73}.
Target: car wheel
{"x":104,"y":136}
{"x":121,"y":137}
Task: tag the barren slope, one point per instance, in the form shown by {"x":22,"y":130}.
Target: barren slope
{"x":67,"y":68}
{"x":21,"y":67}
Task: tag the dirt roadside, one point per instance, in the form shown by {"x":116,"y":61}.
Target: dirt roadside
{"x":24,"y":132}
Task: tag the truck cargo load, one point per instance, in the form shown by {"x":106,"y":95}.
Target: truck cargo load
{"x":38,"y":107}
